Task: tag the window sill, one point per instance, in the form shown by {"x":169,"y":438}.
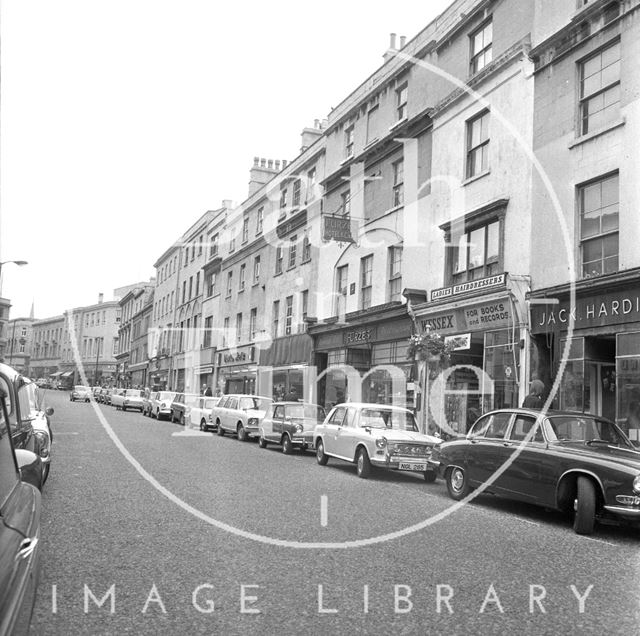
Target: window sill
{"x":596,"y":133}
{"x":277,"y":274}
{"x":476,"y":177}
{"x":398,"y":123}
{"x":346,"y":159}
{"x":241,"y":290}
{"x":291,"y":267}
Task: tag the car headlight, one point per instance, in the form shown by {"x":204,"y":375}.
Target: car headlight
{"x":298,"y":428}
{"x":381,"y":442}
{"x":43,"y":443}
{"x":162,"y":405}
{"x":253,"y":421}
{"x":636,"y":484}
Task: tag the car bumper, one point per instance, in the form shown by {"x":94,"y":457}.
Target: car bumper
{"x":623,"y":511}
{"x":303,"y":439}
{"x":408,"y":464}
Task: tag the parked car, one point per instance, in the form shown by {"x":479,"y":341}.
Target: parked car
{"x":106,"y":397}
{"x":117,"y":398}
{"x":133,"y":400}
{"x":182,"y":402}
{"x":375,"y":435}
{"x":40,"y":422}
{"x":43,"y":383}
{"x":578,"y":463}
{"x":201,"y":413}
{"x":80,"y":392}
{"x":240,"y":414}
{"x":19,"y":526}
{"x":17,"y":392}
{"x":291,"y":424}
{"x":160,"y":406}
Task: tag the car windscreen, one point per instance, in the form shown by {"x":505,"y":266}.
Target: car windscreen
{"x":209,"y":404}
{"x":166,"y":395}
{"x":134,"y":393}
{"x":386,"y":418}
{"x":308,"y":411}
{"x":251,"y":403}
{"x":582,"y":428}
{"x":81,"y":388}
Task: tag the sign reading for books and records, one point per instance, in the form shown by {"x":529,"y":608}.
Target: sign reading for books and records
{"x":489,"y":283}
{"x":337,"y":228}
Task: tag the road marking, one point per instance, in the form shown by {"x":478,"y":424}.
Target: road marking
{"x":323,"y":510}
{"x":192,"y":433}
{"x":66,"y":433}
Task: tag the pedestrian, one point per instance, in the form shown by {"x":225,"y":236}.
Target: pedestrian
{"x":292,"y":396}
{"x":208,"y":392}
{"x":534,"y":400}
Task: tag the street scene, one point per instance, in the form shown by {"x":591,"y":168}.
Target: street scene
{"x":318,"y":340}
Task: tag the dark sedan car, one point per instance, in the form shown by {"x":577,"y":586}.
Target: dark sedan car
{"x":573,"y":462}
{"x":19,"y":530}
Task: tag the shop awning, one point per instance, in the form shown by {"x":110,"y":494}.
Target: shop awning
{"x":67,"y":374}
{"x":288,"y":350}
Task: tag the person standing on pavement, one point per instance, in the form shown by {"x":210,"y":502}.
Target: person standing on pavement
{"x":534,"y":400}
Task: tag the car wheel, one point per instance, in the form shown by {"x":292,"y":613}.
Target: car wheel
{"x":242,"y":434}
{"x":363,"y":464}
{"x":287,"y":445}
{"x":220,"y":429}
{"x":320,"y":456}
{"x":584,"y":507}
{"x":203,"y":425}
{"x":45,"y":472}
{"x":262,"y":442}
{"x":124,"y":408}
{"x":181,"y":419}
{"x":457,"y":483}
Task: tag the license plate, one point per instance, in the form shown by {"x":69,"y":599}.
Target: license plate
{"x":412,"y":466}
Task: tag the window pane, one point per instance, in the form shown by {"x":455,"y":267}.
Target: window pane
{"x":592,"y":251}
{"x":610,"y":188}
{"x":610,"y":246}
{"x":476,"y":248}
{"x":493,"y":242}
{"x":461,"y":265}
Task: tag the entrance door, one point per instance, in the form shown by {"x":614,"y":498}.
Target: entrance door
{"x":602,"y":384}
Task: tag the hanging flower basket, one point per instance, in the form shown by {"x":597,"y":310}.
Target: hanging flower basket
{"x":429,"y":346}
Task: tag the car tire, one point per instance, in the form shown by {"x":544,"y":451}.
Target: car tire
{"x":430,"y":476}
{"x":242,"y":434}
{"x":220,"y":429}
{"x":321,"y":458}
{"x":124,"y":408}
{"x":45,"y":473}
{"x":363,"y":464}
{"x":584,"y":507}
{"x":287,"y":445}
{"x":262,"y":442}
{"x":203,"y":426}
{"x":457,"y":483}
{"x":181,"y":419}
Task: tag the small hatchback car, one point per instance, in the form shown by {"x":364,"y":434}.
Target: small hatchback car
{"x":290,"y":424}
{"x":375,"y":435}
{"x":578,"y":463}
{"x":79,"y":392}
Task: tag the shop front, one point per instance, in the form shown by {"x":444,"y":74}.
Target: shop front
{"x":365,"y":359}
{"x":600,"y":359}
{"x":237,"y":370}
{"x":138,"y":374}
{"x":158,"y":376}
{"x":285,"y":370}
{"x":483,"y":326}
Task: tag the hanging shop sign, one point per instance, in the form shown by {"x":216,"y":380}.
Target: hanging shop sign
{"x":596,"y":310}
{"x":337,"y":228}
{"x":482,"y":284}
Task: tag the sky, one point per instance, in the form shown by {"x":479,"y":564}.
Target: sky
{"x":123,"y":121}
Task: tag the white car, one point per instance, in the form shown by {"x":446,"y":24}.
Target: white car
{"x":375,"y":435}
{"x":133,"y":399}
{"x":160,"y":404}
{"x":240,"y":414}
{"x":200,"y":415}
{"x":117,"y":398}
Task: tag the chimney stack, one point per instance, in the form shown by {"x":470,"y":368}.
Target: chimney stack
{"x":309,"y":135}
{"x":392,"y":50}
{"x":100,"y":298}
{"x":261,"y":173}
{"x":403,"y":41}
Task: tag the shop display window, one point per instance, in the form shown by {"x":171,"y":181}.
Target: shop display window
{"x":628,"y":383}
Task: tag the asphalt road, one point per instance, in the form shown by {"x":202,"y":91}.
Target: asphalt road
{"x":151,"y":529}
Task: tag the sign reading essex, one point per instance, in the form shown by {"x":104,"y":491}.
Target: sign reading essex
{"x":470,"y":286}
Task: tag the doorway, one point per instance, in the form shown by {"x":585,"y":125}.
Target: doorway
{"x":601,"y":378}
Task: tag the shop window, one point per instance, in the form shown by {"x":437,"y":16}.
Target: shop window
{"x":477,"y":253}
{"x":478,"y":145}
{"x":628,"y":383}
{"x":366,"y":281}
{"x":599,"y":203}
{"x":502,"y":365}
{"x":481,"y":43}
{"x":600,"y":89}
{"x":395,"y":273}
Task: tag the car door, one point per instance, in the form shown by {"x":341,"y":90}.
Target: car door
{"x":19,"y":535}
{"x":486,"y":451}
{"x":277,"y":423}
{"x":347,"y":434}
{"x":229,"y":414}
{"x":332,"y":428}
{"x":526,"y":449}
